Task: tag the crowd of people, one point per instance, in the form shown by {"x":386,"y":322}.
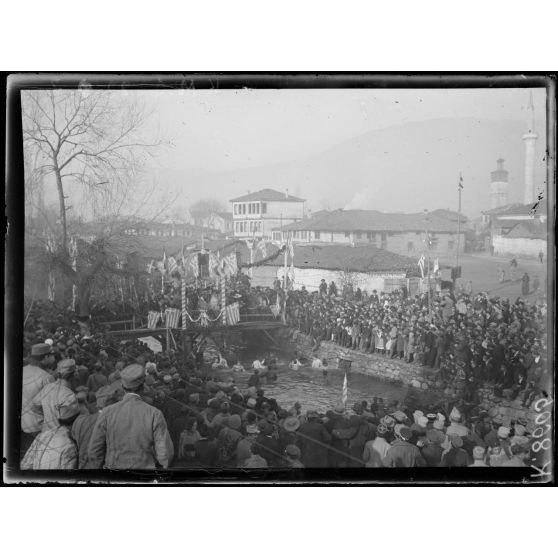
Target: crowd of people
{"x":466,"y":338}
{"x":89,"y":402}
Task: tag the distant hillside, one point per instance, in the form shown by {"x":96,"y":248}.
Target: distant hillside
{"x":409,"y":167}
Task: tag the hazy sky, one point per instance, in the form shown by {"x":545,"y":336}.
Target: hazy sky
{"x":230,"y":129}
{"x":225,"y":130}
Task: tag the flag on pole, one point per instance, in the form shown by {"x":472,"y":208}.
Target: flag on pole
{"x":172,"y":317}
{"x":345,"y":390}
{"x":191,"y":266}
{"x":213,"y":264}
{"x":261,"y":247}
{"x":230,"y":266}
{"x":162,"y":264}
{"x":172,"y":265}
{"x":275,"y":308}
{"x":421,"y":265}
{"x":233,"y":313}
{"x":460,"y":185}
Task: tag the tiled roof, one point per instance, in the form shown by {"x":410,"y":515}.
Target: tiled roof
{"x":371,"y":220}
{"x":359,"y":258}
{"x":268,"y":195}
{"x":450,"y":215}
{"x":501,"y":209}
{"x":528,"y":229}
{"x":365,"y":259}
{"x":517,"y":209}
{"x":225,"y":214}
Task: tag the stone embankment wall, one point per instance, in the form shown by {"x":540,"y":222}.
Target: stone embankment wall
{"x":412,"y":375}
{"x":377,"y":366}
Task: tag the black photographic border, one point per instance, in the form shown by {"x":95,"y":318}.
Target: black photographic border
{"x":14,"y":231}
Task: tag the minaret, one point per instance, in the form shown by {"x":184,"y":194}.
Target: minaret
{"x":499,"y":186}
{"x":530,"y":138}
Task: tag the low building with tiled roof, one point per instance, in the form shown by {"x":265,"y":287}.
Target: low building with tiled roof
{"x":256,"y":214}
{"x":367,"y":267}
{"x":518,"y":229}
{"x":268,"y":195}
{"x":402,"y":233}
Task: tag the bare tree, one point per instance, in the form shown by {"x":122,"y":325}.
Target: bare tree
{"x":93,"y":140}
{"x":88,"y":137}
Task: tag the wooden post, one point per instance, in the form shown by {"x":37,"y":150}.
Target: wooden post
{"x":223,"y":301}
{"x":183,"y":300}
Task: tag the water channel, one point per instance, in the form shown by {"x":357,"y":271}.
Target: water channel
{"x":307,"y":386}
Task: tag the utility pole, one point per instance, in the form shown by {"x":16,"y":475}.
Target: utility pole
{"x":427,"y":241}
{"x":459,"y":189}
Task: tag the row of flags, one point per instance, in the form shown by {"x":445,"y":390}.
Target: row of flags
{"x":255,"y":245}
{"x":189,"y":265}
{"x":171,"y":317}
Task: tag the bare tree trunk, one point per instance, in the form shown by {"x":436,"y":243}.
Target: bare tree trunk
{"x":84,"y":294}
{"x":62,"y":204}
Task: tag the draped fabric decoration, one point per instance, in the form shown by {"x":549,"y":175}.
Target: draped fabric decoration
{"x":183,"y":297}
{"x":232,"y":312}
{"x":172,"y":317}
{"x":153,"y":319}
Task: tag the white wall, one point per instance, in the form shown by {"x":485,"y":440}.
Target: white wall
{"x":519,"y":246}
{"x":265,"y":275}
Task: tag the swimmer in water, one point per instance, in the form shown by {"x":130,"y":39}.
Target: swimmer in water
{"x":325,"y":372}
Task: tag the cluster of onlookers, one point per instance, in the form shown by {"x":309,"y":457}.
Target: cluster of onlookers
{"x":89,"y":405}
{"x":471,"y":338}
{"x":89,"y":401}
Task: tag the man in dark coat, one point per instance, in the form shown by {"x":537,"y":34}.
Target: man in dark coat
{"x":338,"y":427}
{"x":525,"y":284}
{"x":267,"y":445}
{"x":313,"y":440}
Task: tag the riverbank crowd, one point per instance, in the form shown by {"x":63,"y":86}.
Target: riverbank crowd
{"x":90,"y":402}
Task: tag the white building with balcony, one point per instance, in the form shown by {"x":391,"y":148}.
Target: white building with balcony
{"x":257,"y":214}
